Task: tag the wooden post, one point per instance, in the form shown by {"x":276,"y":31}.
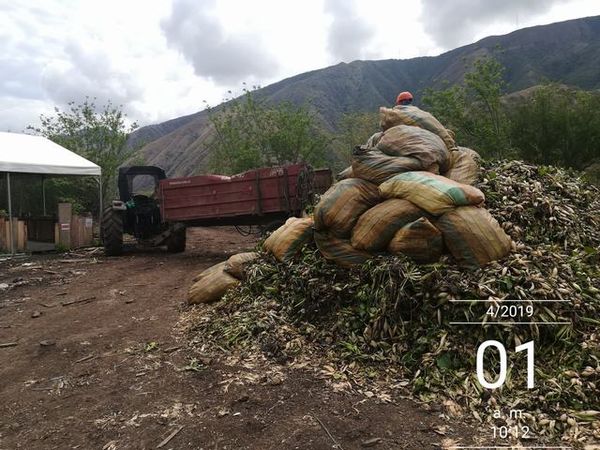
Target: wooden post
{"x":3,"y":241}
{"x":12,"y":231}
{"x":21,"y":235}
{"x":89,"y":229}
{"x":74,"y":232}
{"x":64,"y":224}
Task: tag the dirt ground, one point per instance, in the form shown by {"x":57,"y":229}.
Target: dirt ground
{"x":91,"y":358}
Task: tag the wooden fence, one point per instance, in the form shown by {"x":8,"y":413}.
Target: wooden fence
{"x":77,"y":233}
{"x":20,"y":229}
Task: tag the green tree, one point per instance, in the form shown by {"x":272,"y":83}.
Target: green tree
{"x":354,"y":129}
{"x":558,"y":125}
{"x":485,"y":86}
{"x":96,"y":133}
{"x":449,"y":106}
{"x":248,"y":133}
{"x":474,"y":110}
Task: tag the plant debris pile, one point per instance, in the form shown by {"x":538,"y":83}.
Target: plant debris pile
{"x":393,"y":319}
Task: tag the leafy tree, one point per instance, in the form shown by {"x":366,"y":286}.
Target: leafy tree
{"x":558,"y":125}
{"x":97,"y":134}
{"x":248,"y":134}
{"x":474,"y":110}
{"x":354,"y":129}
{"x":449,"y":106}
{"x":485,"y":85}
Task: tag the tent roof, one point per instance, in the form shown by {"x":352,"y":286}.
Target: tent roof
{"x":25,"y":153}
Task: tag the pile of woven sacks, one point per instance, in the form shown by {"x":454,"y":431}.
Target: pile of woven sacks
{"x":409,"y":191}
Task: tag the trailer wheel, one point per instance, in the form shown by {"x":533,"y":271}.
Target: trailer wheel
{"x":112,"y":232}
{"x":176,"y":241}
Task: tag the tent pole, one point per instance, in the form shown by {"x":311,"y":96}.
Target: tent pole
{"x":10,"y":218}
{"x":100,"y":209}
{"x":44,"y":192}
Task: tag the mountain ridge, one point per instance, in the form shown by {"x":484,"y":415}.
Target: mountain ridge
{"x":566,"y":52}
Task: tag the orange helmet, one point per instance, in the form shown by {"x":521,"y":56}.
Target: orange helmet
{"x":404,"y":98}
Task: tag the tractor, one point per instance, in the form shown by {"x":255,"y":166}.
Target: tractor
{"x":156,"y":210}
{"x":137,"y":213}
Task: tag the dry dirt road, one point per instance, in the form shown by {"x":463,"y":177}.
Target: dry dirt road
{"x":99,"y":363}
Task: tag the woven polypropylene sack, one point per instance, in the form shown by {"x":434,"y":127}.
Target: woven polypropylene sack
{"x":376,"y":227}
{"x":464,"y":166}
{"x":419,"y":240}
{"x":346,"y":173}
{"x":341,"y":206}
{"x":411,"y":115}
{"x":374,"y":139}
{"x":211,"y":286}
{"x":375,"y":166}
{"x":433,"y":193}
{"x":235,"y":265}
{"x":339,"y":251}
{"x":473,"y":236}
{"x":211,"y":269}
{"x":287,"y":240}
{"x":415,"y":142}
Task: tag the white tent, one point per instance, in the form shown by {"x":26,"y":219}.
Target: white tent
{"x":24,"y":153}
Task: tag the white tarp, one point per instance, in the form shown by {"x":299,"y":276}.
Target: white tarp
{"x":35,"y":154}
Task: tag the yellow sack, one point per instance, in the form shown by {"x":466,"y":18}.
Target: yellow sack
{"x":464,"y":166}
{"x":339,"y":250}
{"x":375,"y":166}
{"x":211,"y":269}
{"x":373,"y":140}
{"x":287,"y":240}
{"x":415,"y":142}
{"x":433,"y":193}
{"x":234,"y":266}
{"x":473,"y":236}
{"x":411,"y":115}
{"x":376,"y":227}
{"x":419,"y":240}
{"x":346,"y":173}
{"x":211,"y":285}
{"x":341,"y":206}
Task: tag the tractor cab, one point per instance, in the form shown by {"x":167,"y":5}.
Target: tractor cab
{"x":138,"y":189}
{"x":137,"y":213}
{"x":139,"y":181}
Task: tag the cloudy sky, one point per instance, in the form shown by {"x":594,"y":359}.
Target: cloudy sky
{"x":161,"y":59}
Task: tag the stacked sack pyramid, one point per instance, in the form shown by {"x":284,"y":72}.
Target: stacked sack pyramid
{"x":409,"y":191}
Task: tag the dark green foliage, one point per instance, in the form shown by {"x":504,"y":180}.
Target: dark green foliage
{"x":251,"y":134}
{"x":557,"y":125}
{"x":354,"y":129}
{"x":549,"y":124}
{"x":27,"y":198}
{"x":97,"y":134}
{"x":474,"y":110}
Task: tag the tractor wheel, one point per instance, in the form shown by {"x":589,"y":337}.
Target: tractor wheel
{"x":112,"y":232}
{"x":176,"y":242}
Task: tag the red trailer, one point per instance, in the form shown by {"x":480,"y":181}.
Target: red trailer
{"x":256,"y":197}
{"x":159,"y":214}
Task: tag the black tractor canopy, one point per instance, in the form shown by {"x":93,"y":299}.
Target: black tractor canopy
{"x":138,"y":180}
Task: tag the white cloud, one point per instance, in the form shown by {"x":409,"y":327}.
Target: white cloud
{"x":460,"y":22}
{"x":224,"y":56}
{"x":161,"y":59}
{"x":350,"y":35}
{"x":87,"y":70}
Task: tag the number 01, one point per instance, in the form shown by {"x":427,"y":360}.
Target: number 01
{"x":502,"y":375}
